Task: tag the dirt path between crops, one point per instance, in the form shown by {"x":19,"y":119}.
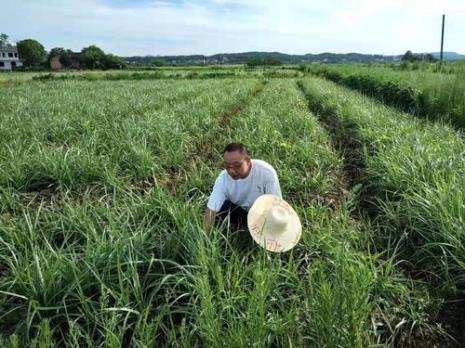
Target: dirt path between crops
{"x":349,"y":145}
{"x":205,"y":149}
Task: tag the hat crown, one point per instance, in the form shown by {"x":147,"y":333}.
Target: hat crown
{"x":273,"y":223}
{"x":277,"y":219}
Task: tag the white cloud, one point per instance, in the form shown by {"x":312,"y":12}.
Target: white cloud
{"x":212,"y":26}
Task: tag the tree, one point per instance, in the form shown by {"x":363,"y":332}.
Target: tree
{"x":253,"y":62}
{"x":412,"y":57}
{"x":93,"y":57}
{"x":430,"y":58}
{"x":408,"y":56}
{"x":31,"y":52}
{"x":110,"y":61}
{"x":64,"y":56}
{"x":158,"y":63}
{"x":4,"y":40}
{"x":54,"y":52}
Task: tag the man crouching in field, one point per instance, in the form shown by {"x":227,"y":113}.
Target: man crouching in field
{"x":237,"y":187}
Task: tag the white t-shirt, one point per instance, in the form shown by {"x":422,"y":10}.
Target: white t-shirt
{"x":262,"y":179}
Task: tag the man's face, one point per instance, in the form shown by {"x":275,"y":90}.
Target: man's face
{"x":236,"y":164}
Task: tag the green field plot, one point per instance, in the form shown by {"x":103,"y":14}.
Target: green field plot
{"x":103,"y":185}
{"x":159,"y":73}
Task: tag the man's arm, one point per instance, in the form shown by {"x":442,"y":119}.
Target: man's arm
{"x":217,"y":198}
{"x":208,"y":221}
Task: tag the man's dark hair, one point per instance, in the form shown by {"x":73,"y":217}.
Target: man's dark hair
{"x":236,"y":147}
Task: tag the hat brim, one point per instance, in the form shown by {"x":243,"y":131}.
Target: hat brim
{"x":256,"y":219}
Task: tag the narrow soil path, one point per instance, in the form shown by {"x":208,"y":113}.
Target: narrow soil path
{"x":347,"y":142}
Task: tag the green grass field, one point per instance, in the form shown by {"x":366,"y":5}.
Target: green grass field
{"x":103,"y":182}
{"x":429,"y":91}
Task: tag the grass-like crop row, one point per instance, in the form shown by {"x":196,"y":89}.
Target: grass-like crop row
{"x":413,"y":178}
{"x":279,"y":127}
{"x":428,"y":95}
{"x":444,"y":67}
{"x":161,"y":74}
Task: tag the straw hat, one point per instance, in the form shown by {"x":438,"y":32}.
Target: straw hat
{"x":274,"y":224}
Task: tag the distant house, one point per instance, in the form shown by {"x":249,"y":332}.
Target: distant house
{"x":9,"y":58}
{"x":75,"y":59}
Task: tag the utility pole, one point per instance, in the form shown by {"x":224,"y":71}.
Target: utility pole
{"x":442,"y":35}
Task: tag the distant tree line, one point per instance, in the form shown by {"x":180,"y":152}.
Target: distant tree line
{"x":263,"y":62}
{"x":409,"y":56}
{"x":251,"y":57}
{"x":33,"y":54}
{"x":91,"y":57}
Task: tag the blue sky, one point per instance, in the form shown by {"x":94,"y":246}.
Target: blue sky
{"x":162,"y":27}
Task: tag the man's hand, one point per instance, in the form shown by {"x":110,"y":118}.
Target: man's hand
{"x":208,"y":220}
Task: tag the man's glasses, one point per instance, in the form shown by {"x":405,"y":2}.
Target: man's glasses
{"x":235,"y":165}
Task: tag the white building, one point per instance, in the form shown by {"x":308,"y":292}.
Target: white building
{"x":9,"y":58}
